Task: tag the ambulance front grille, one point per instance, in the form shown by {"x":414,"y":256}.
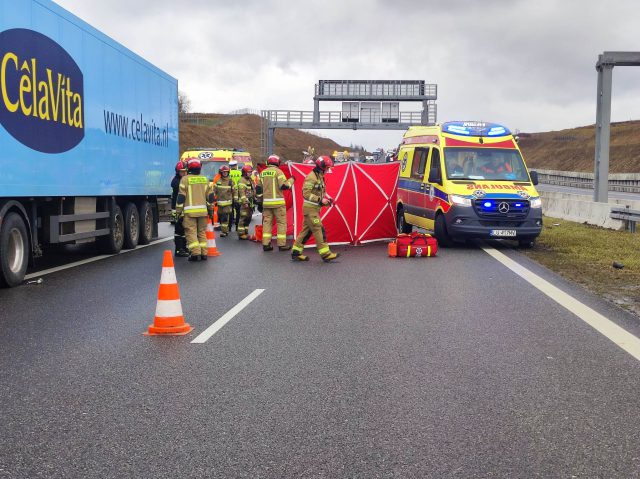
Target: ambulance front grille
{"x":503,"y":209}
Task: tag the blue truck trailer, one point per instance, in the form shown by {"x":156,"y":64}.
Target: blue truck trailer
{"x":88,"y":137}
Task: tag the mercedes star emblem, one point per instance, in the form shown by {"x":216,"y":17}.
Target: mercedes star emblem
{"x":503,"y":207}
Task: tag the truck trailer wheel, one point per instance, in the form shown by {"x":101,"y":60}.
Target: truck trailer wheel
{"x":145,"y":215}
{"x":131,"y":226}
{"x":14,"y":250}
{"x":112,"y":243}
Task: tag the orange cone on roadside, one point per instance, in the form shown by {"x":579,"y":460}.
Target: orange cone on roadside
{"x":258,"y":233}
{"x":168,"y":320}
{"x":216,"y":222}
{"x":212,"y":250}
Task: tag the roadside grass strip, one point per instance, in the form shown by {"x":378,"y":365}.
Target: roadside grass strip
{"x":228,"y":316}
{"x":603,"y":325}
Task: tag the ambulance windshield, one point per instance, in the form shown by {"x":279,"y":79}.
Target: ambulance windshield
{"x":484,"y":164}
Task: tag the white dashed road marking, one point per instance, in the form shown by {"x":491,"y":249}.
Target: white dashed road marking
{"x":215,"y":327}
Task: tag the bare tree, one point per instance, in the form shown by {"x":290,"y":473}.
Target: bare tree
{"x":184,"y":104}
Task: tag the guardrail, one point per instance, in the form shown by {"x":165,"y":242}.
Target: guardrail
{"x":296,"y":116}
{"x":623,"y":182}
{"x":629,"y":216}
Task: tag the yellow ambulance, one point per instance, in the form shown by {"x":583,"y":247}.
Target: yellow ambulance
{"x":213,"y":158}
{"x":467,"y":179}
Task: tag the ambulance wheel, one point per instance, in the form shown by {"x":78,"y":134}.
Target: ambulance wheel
{"x":112,"y":243}
{"x":145,"y":214}
{"x":14,"y":250}
{"x":403,"y":226}
{"x":131,"y":226}
{"x":440,"y":232}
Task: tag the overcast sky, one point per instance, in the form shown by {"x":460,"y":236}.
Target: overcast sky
{"x":528,"y":64}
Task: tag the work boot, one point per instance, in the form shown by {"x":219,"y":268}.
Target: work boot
{"x":194,"y":257}
{"x":286,"y":247}
{"x":243,"y":237}
{"x":330,"y":257}
{"x":299,"y":257}
{"x":267,"y":247}
{"x":182,"y":253}
{"x":223,"y":234}
{"x":203,"y":257}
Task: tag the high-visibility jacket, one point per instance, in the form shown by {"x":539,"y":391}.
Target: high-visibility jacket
{"x":313,"y":190}
{"x":224,"y":191}
{"x":245,"y":191}
{"x":273,"y":181}
{"x":195,"y":196}
{"x":235,"y":175}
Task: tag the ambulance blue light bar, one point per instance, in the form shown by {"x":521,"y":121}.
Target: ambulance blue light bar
{"x":474,"y":128}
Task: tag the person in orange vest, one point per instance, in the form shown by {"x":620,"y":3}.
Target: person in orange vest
{"x":193,"y":207}
{"x":272,"y":183}
{"x":315,"y":197}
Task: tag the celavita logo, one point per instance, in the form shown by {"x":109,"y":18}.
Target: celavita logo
{"x":41,"y":92}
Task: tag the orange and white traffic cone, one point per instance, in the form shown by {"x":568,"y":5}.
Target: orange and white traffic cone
{"x":258,"y":233}
{"x":212,"y":250}
{"x":216,"y":222}
{"x":168,"y":320}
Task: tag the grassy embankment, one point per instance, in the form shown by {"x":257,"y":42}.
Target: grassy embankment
{"x":585,"y":254}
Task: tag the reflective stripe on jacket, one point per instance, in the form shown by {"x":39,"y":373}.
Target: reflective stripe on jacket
{"x":245,"y":191}
{"x":313,"y":189}
{"x":272,"y":180}
{"x":224,"y":190}
{"x":194,"y":196}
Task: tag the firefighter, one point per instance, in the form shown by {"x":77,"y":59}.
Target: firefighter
{"x":224,"y":191}
{"x":178,"y":235}
{"x":246,"y":194}
{"x":235,"y":174}
{"x":272,"y":184}
{"x":194,"y":206}
{"x":315,"y":197}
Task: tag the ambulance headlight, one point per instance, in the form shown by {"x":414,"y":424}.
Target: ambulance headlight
{"x":536,"y":203}
{"x":460,"y":200}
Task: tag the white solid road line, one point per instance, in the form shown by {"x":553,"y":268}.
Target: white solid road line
{"x":44,"y":272}
{"x":604,"y":326}
{"x":215,"y":327}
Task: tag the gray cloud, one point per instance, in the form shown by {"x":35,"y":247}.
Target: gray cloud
{"x":527,"y":64}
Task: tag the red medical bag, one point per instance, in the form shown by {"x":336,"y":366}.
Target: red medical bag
{"x":414,"y":244}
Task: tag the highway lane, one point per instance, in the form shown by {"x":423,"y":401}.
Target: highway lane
{"x":371,"y":367}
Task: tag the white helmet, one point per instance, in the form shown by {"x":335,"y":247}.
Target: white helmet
{"x":233,"y":164}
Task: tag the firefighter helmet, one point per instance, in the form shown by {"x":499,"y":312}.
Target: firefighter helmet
{"x":224,"y":170}
{"x":273,"y":160}
{"x":194,"y":166}
{"x":181,"y":166}
{"x":323,"y":163}
{"x":247,"y":170}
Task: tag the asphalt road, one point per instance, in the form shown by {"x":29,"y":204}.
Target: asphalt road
{"x":452,"y":366}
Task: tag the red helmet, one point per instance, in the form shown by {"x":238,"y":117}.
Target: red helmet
{"x":273,"y":160}
{"x":224,"y":169}
{"x":323,"y":163}
{"x":247,"y":169}
{"x":194,"y":166}
{"x":181,"y":166}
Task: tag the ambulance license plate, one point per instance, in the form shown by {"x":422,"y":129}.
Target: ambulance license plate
{"x":502,"y":233}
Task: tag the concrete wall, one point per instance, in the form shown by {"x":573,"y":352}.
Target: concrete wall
{"x":576,"y":208}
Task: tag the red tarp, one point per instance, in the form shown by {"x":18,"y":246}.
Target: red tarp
{"x":364,"y":209}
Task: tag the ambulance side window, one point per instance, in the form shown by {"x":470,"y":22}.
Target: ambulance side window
{"x":419,"y":163}
{"x":435,"y":171}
